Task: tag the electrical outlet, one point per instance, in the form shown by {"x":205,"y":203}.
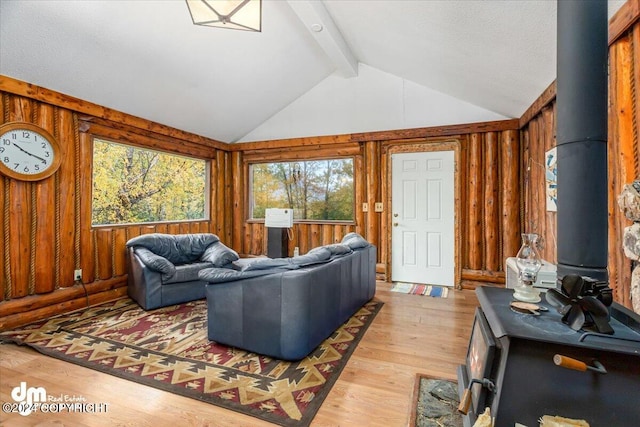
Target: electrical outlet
{"x":77,"y":274}
{"x":365,"y":207}
{"x":296,"y":251}
{"x":379,"y":207}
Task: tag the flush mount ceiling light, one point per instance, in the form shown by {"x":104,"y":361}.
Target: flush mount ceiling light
{"x":243,"y":15}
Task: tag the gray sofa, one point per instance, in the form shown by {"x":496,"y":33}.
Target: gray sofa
{"x":286,"y":307}
{"x":163,"y":268}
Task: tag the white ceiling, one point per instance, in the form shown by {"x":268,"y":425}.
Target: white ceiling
{"x":146,"y":58}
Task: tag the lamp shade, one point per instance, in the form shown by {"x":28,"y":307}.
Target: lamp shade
{"x":243,"y":15}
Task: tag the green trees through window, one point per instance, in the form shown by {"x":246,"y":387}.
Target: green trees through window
{"x":133,"y":185}
{"x":315,"y":189}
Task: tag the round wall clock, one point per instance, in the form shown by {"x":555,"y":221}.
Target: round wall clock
{"x":27,"y":152}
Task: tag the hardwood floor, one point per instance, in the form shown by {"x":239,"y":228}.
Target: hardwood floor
{"x":411,"y":335}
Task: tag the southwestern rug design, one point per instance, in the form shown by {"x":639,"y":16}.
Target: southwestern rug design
{"x":168,"y":349}
{"x":420,"y":289}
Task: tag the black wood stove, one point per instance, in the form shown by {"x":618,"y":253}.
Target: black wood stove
{"x":510,"y":366}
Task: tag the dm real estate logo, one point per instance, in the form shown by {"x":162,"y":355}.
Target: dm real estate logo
{"x":35,"y":399}
{"x":28,"y":399}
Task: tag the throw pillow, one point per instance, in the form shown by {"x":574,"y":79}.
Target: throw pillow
{"x":219,"y":255}
{"x":354,"y":241}
{"x":155,"y":262}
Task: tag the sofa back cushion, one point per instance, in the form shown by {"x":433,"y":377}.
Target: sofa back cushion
{"x":178,"y":248}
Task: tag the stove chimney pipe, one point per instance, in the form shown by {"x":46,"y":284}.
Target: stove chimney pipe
{"x":581,"y":139}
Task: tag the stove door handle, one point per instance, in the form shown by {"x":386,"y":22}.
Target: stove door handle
{"x":578,"y":365}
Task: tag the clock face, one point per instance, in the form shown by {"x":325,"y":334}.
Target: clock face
{"x":27,"y":152}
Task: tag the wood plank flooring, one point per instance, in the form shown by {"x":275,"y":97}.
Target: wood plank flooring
{"x":411,"y":335}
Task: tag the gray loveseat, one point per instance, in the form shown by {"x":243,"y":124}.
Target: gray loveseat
{"x":163,"y":268}
{"x":286,"y":307}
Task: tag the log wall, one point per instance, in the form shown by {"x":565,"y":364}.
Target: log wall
{"x":488,"y":201}
{"x":538,"y":127}
{"x":45,"y":226}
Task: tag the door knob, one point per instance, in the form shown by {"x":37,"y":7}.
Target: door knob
{"x":395,"y":224}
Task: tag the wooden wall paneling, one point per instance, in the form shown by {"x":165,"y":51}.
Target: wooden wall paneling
{"x":304,"y":238}
{"x":119,"y":251}
{"x":237,"y":202}
{"x":87,"y":236}
{"x":623,"y":157}
{"x":5,"y":270}
{"x":464,"y":200}
{"x":360,"y":196}
{"x":371,"y":173}
{"x":385,"y":217}
{"x":228,"y":197}
{"x":548,"y":231}
{"x":326,"y":234}
{"x":315,"y":235}
{"x":160,"y":228}
{"x":19,"y":215}
{"x":436,"y":131}
{"x":510,"y":209}
{"x":247,"y":238}
{"x":104,"y":255}
{"x":615,"y":260}
{"x":19,"y":236}
{"x":184,"y":228}
{"x":491,"y":203}
{"x":213,"y":192}
{"x":524,"y":193}
{"x":146,"y":139}
{"x":45,"y":230}
{"x":258,"y":239}
{"x":338,"y":233}
{"x":302,"y":153}
{"x":173,"y":228}
{"x":475,"y":211}
{"x":4,"y":224}
{"x":218,"y":195}
{"x":65,"y":181}
{"x":531,"y":177}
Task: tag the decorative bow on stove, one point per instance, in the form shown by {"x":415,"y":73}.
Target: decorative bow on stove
{"x":583,"y":303}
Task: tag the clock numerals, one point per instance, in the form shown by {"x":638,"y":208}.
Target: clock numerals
{"x":27,"y":152}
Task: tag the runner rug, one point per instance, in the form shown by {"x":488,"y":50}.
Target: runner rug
{"x":168,"y":349}
{"x":419,"y":289}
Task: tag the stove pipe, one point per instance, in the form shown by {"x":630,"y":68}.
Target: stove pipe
{"x":581,"y":138}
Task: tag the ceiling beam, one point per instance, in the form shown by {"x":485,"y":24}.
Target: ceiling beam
{"x":317,"y":20}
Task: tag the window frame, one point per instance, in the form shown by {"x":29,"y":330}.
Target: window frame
{"x":249,"y":193}
{"x":153,"y":146}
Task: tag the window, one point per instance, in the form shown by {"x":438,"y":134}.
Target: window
{"x":134,"y":185}
{"x":320,"y":190}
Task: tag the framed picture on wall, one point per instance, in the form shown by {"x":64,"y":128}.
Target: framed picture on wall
{"x":551,"y":179}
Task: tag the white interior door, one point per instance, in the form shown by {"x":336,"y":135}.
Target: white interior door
{"x":423,"y":218}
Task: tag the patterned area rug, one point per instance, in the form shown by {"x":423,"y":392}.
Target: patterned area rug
{"x":168,"y":349}
{"x":420,"y":289}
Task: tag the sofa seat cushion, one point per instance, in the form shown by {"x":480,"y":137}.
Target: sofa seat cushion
{"x":185,"y":273}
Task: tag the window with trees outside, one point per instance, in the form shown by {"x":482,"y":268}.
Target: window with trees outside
{"x":317,"y":190}
{"x":134,"y":185}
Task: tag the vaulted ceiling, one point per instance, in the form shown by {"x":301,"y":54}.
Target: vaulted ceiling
{"x":146,"y":58}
